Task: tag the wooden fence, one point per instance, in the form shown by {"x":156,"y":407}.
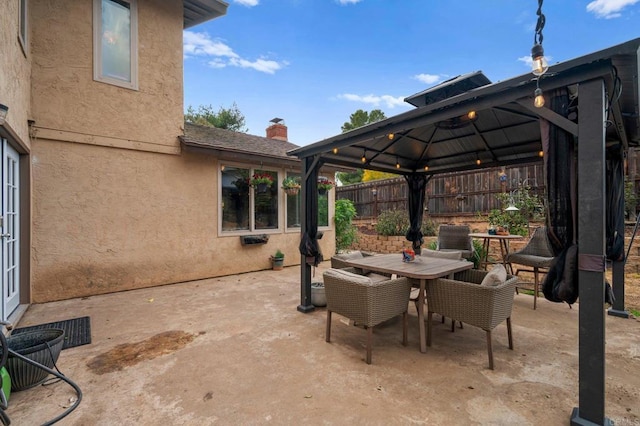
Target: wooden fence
{"x":449,"y":194}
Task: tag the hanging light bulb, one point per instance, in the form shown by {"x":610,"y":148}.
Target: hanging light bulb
{"x":335,"y":150}
{"x":540,"y":153}
{"x":364,"y":156}
{"x":391,"y":136}
{"x":426,"y":168}
{"x":397,"y":163}
{"x":539,"y":64}
{"x":471,"y":115}
{"x":478,"y":162}
{"x":538,"y":101}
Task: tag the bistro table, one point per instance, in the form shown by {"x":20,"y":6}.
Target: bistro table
{"x":422,"y":268}
{"x":503,"y":240}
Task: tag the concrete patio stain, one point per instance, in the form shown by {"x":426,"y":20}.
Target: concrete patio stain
{"x":128,"y":354}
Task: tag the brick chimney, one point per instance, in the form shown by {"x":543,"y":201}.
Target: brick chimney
{"x":277,"y":130}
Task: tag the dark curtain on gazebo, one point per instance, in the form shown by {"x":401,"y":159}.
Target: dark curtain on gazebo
{"x":417,"y":184}
{"x":615,"y":204}
{"x":309,"y":246}
{"x":559,"y":154}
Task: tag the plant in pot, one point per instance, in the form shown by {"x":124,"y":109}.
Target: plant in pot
{"x":324,"y":185}
{"x":261,"y":181}
{"x":277,"y":260}
{"x":291,"y":185}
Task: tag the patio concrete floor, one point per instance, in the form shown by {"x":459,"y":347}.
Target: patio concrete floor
{"x":240,"y":353}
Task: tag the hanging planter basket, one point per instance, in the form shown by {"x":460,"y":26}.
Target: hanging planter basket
{"x":291,"y":191}
{"x":262,"y":188}
{"x":322,"y":191}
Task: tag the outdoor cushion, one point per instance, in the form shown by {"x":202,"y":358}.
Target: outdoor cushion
{"x":496,"y":276}
{"x":346,"y":275}
{"x":351,"y":255}
{"x":457,"y":254}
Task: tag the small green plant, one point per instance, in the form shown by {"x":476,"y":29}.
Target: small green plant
{"x":529,"y":208}
{"x":635,"y":312}
{"x":429,"y":228}
{"x":630,"y":199}
{"x":279,"y":254}
{"x":325,"y":184}
{"x":346,"y":232}
{"x":261,"y":178}
{"x":290,"y":182}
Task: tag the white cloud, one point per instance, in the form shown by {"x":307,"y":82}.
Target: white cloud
{"x":609,"y":9}
{"x":248,"y":3}
{"x":348,"y":1}
{"x":202,"y":45}
{"x":428,"y":78}
{"x":262,"y":65}
{"x":388,"y":100}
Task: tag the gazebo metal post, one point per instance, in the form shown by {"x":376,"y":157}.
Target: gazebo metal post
{"x":617,"y":266}
{"x":591,"y":255}
{"x":309,"y":189}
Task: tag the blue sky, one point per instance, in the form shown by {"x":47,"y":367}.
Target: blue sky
{"x":315,"y":62}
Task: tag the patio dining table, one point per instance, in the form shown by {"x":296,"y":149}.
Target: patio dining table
{"x":423,"y":268}
{"x":503,"y":240}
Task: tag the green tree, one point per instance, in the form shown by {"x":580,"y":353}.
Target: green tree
{"x":225,"y":118}
{"x":362,"y":118}
{"x":358,"y":119}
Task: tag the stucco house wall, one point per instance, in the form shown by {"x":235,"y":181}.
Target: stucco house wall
{"x":117,"y":203}
{"x":16,"y":72}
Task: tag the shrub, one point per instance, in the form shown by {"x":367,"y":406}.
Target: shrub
{"x":346,"y":232}
{"x":393,"y":223}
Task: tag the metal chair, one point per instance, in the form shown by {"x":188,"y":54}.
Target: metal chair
{"x":537,"y":255}
{"x":464,"y":299}
{"x":366,"y":302}
{"x":455,"y":238}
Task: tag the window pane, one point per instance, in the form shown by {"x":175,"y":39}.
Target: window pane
{"x":116,"y":40}
{"x":293,"y":206}
{"x":235,"y":199}
{"x":266,"y":203}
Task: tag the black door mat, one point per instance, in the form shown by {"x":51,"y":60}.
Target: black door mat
{"x":77,"y":331}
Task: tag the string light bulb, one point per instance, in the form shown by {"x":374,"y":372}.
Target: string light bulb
{"x":426,"y":168}
{"x":539,"y":64}
{"x":397,"y":163}
{"x":390,"y":136}
{"x":364,"y":156}
{"x":335,"y":150}
{"x":478,"y":162}
{"x":471,"y":115}
{"x":540,"y":153}
{"x":538,"y":100}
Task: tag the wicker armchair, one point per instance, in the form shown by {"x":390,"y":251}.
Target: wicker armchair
{"x":464,"y":299}
{"x":537,"y":254}
{"x":455,"y":238}
{"x":338,"y":262}
{"x":366,"y":302}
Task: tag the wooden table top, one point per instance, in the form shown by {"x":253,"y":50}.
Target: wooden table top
{"x":423,"y":267}
{"x":497,"y":237}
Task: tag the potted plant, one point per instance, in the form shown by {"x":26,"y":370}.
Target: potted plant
{"x":324,"y":185}
{"x":277,"y":261}
{"x":291,"y":185}
{"x":261,"y":181}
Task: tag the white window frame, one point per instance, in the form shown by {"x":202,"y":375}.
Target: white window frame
{"x":23,"y":26}
{"x":97,"y":46}
{"x":252,"y":219}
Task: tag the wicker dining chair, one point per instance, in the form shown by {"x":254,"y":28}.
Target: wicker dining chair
{"x":366,"y":302}
{"x":338,"y":262}
{"x":465,"y":299}
{"x":455,"y":238}
{"x":537,"y":254}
